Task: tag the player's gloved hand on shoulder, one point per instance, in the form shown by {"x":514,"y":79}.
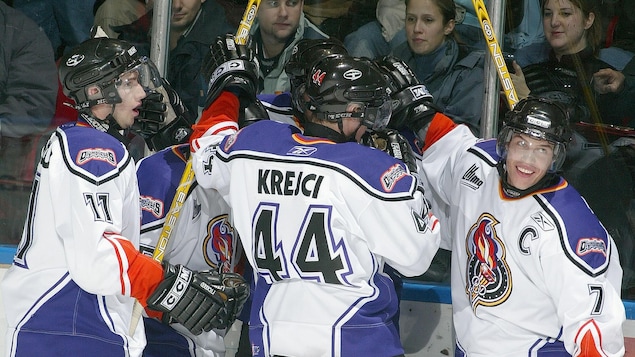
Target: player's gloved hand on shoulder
{"x":200,"y":301}
{"x":233,"y":67}
{"x":393,"y":144}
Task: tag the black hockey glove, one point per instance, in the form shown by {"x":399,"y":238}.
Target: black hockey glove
{"x":393,"y":144}
{"x":163,"y":119}
{"x":151,"y":115}
{"x":178,"y":125}
{"x":200,"y":301}
{"x":233,"y":67}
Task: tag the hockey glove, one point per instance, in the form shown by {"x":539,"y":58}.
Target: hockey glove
{"x":151,"y":115}
{"x":200,"y":301}
{"x":393,"y":144}
{"x":179,"y":120}
{"x":163,"y":119}
{"x":233,"y":67}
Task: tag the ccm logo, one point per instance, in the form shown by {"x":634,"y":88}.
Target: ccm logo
{"x":353,"y":74}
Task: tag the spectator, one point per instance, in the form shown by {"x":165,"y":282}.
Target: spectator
{"x":452,"y":72}
{"x":66,"y":23}
{"x":279,"y":26}
{"x":112,"y":13}
{"x":525,"y":279}
{"x":28,"y":90}
{"x":77,"y":272}
{"x":334,"y":287}
{"x":379,"y":37}
{"x":338,"y":18}
{"x":527,"y":40}
{"x":193,"y":26}
{"x":573,"y":31}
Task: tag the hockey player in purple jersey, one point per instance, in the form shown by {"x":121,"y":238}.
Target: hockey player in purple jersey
{"x":534,"y":272}
{"x":319,"y":216}
{"x":77,"y":271}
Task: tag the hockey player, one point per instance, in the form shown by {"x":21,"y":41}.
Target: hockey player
{"x":312,"y":211}
{"x":77,"y":271}
{"x":203,"y":235}
{"x":534,"y":272}
{"x":202,"y":239}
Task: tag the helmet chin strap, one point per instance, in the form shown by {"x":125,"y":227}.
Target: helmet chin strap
{"x":351,"y":137}
{"x":549,"y":179}
{"x":108,"y":125}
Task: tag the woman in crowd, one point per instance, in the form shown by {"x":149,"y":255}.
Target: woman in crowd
{"x":452,"y":73}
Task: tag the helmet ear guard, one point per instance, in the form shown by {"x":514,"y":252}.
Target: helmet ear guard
{"x":539,"y":118}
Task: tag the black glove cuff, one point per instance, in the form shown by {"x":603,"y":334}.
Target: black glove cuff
{"x":177,"y":132}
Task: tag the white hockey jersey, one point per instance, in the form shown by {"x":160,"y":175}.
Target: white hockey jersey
{"x":533,"y":276}
{"x":203,"y":239}
{"x":68,"y":292}
{"x":318,"y":223}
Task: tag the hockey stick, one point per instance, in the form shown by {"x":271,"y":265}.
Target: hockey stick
{"x":242,"y":35}
{"x":495,"y":53}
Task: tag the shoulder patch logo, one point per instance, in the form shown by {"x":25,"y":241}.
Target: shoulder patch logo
{"x":152,"y":205}
{"x":489,"y":281}
{"x":105,"y":155}
{"x":230,"y":141}
{"x":391,"y":176}
{"x":590,"y":245}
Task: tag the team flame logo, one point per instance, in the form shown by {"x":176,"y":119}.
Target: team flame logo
{"x":488,"y":276}
{"x":219,"y":243}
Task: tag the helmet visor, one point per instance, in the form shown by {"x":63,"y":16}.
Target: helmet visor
{"x":149,"y":76}
{"x":378,"y":117}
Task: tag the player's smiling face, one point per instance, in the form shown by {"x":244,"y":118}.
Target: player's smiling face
{"x":528,"y":160}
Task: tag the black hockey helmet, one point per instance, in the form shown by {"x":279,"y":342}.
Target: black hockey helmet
{"x":411,"y":101}
{"x":308,"y":51}
{"x":540,"y":118}
{"x":335,"y":82}
{"x":304,"y":55}
{"x":98,"y":62}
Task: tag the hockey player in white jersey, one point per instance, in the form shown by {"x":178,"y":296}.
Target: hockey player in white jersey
{"x":319,"y":216}
{"x":203,"y":237}
{"x":77,"y":271}
{"x":534,"y":272}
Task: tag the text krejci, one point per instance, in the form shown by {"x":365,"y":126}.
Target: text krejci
{"x":288,"y":183}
